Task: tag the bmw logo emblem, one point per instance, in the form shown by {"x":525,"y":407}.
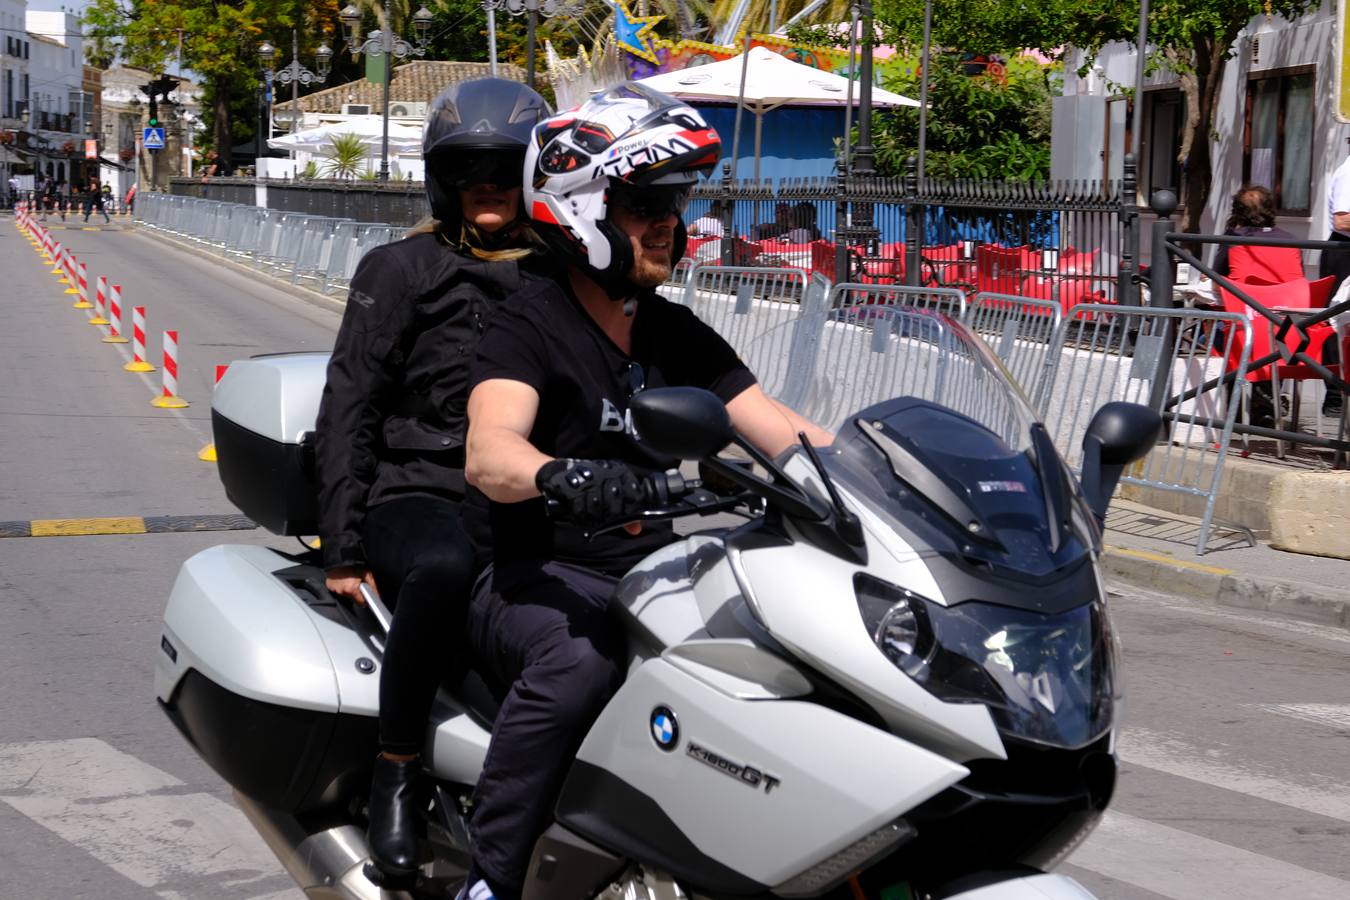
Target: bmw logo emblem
{"x":665,"y":730}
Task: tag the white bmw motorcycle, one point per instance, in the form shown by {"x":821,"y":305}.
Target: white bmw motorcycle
{"x":895,"y":679}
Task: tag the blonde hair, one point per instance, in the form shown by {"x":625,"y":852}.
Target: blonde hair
{"x":469,"y":237}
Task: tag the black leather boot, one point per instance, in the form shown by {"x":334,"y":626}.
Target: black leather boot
{"x":395,"y":816}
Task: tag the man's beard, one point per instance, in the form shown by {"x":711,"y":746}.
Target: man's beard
{"x":649,"y":269}
{"x":649,"y":273}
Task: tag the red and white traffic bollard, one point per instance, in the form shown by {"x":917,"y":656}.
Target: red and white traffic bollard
{"x":68,"y":274}
{"x":138,"y":363}
{"x":170,"y":399}
{"x":58,"y":259}
{"x":82,"y":287}
{"x":114,"y":335}
{"x":100,"y":302}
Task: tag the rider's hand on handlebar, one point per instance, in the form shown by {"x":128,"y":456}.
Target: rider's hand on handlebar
{"x":346,"y":581}
{"x":592,"y":492}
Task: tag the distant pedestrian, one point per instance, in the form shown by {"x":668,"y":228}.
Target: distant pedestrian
{"x":93,"y":198}
{"x":13,"y":190}
{"x":129,"y":201}
{"x":214,"y":166}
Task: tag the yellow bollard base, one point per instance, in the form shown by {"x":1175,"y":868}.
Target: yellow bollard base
{"x":169,"y":403}
{"x":99,"y":320}
{"x":115,"y":339}
{"x":81,"y":304}
{"x":207,"y":453}
{"x":138,"y":366}
{"x":72,"y":290}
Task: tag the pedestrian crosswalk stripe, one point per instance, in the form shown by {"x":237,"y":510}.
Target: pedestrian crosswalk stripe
{"x":1185,"y":866}
{"x":139,"y":821}
{"x":1331,"y":715}
{"x":1163,"y":753}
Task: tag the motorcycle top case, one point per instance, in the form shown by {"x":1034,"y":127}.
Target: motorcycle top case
{"x":262,"y":420}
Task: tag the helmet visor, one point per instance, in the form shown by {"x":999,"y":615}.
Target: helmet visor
{"x":502,"y":168}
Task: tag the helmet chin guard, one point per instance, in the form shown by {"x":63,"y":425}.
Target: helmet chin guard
{"x":630,"y":135}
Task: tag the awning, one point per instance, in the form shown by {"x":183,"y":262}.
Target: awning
{"x":106,"y":160}
{"x":14,"y":156}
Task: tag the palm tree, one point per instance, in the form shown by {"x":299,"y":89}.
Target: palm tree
{"x":346,"y":156}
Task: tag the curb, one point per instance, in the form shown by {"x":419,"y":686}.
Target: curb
{"x":1226,"y":588}
{"x":314,"y":298}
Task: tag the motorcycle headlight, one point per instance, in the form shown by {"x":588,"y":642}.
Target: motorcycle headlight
{"x":1046,"y":677}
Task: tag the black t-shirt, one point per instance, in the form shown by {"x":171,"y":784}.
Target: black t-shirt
{"x":543,"y":337}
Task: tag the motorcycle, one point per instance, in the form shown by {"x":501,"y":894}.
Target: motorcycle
{"x":894,"y":675}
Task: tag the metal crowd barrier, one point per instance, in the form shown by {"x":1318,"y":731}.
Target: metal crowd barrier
{"x":1024,"y":335}
{"x":1172,"y":360}
{"x":829,"y":353}
{"x":317,"y":250}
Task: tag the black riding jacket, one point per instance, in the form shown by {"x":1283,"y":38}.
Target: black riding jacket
{"x":392,"y":419}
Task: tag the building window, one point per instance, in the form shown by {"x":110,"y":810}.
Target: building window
{"x":1277,"y":143}
{"x":1164,"y":117}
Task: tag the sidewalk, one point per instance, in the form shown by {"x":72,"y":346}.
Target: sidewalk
{"x":1155,"y":550}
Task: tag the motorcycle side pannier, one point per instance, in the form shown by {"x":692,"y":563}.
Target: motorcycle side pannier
{"x":262,"y":421}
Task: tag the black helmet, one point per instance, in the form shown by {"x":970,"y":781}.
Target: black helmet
{"x":477,"y":131}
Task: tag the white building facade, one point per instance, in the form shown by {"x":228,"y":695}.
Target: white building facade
{"x":1274,"y":122}
{"x":59,"y":111}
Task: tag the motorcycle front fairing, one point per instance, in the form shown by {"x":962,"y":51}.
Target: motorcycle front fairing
{"x":970,"y":624}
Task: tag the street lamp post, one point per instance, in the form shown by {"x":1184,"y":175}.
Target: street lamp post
{"x":532,"y":10}
{"x":383,"y":42}
{"x":294,"y":74}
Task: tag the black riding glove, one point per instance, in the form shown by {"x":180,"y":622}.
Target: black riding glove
{"x":591,"y":492}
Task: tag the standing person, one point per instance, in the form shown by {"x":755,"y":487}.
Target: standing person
{"x":13,"y":190}
{"x":548,"y":419}
{"x":129,"y":201}
{"x":391,"y":424}
{"x":94,"y":199}
{"x":1337,"y":262}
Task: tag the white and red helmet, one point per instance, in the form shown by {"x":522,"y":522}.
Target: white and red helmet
{"x":629,"y":136}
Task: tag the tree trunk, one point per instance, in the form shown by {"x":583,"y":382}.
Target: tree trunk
{"x":220,"y":136}
{"x":1201,"y":87}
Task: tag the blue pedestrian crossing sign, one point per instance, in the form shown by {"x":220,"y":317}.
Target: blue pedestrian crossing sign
{"x":153,"y":138}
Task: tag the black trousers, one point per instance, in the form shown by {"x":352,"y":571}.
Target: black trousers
{"x":542,"y":628}
{"x":423,"y":565}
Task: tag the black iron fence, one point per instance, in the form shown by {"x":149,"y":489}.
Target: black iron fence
{"x":1070,"y":242}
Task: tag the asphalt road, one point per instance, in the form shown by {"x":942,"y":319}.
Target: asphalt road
{"x":1236,"y":749}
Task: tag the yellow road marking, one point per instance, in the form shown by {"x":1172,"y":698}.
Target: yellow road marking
{"x":1163,"y":558}
{"x":66,"y":527}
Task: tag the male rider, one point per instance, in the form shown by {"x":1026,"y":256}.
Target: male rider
{"x":606,"y":185}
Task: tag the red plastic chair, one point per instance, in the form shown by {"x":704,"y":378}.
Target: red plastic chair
{"x":1291,"y":295}
{"x":998,"y":270}
{"x":1271,"y":265}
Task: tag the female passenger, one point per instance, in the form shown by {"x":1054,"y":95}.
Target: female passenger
{"x":391,"y":424}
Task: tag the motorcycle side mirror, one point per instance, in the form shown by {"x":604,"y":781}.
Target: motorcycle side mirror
{"x":684,"y":422}
{"x":1119,"y":434}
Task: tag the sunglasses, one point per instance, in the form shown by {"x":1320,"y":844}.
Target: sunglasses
{"x":650,"y":202}
{"x":637,"y":379}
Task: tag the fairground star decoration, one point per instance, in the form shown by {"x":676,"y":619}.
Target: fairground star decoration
{"x":634,"y":33}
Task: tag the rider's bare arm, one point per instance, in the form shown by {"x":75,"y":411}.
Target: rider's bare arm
{"x":769,"y":425}
{"x":499,"y":459}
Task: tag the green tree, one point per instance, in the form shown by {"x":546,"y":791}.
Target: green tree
{"x":978,"y":126}
{"x":1193,"y":38}
{"x":219,"y":42}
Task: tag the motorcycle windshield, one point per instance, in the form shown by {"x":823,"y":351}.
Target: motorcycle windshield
{"x":943,"y":446}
